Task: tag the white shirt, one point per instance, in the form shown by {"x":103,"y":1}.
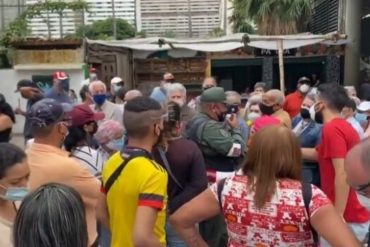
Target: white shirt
{"x":90,"y":158}
{"x":357,"y":126}
{"x":112,"y":111}
{"x":6,"y":230}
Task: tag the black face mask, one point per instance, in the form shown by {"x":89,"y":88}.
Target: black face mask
{"x":305,"y":113}
{"x":319,"y":117}
{"x":266,"y":110}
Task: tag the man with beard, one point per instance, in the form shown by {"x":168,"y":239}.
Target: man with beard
{"x":221,"y":143}
{"x":30,"y":91}
{"x":176,"y":92}
{"x":337,"y":138}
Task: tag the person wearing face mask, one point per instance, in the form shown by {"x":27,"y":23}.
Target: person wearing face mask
{"x":14,"y":173}
{"x":80,"y":142}
{"x":272,"y":105}
{"x":293,"y":101}
{"x":139,"y":219}
{"x":116,"y":86}
{"x":110,"y":137}
{"x":93,"y":76}
{"x":252,"y":109}
{"x":337,"y":138}
{"x":176,"y":92}
{"x":234,"y":103}
{"x":160,"y":93}
{"x":222,"y":144}
{"x":308,"y":132}
{"x":49,"y":163}
{"x":111,"y":111}
{"x":348,"y":113}
{"x":363,"y":116}
{"x":60,"y":88}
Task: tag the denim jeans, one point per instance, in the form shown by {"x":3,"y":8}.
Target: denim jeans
{"x":173,"y":240}
{"x":360,"y":231}
{"x":104,"y":237}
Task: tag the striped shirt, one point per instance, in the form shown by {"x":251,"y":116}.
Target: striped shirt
{"x":90,"y":158}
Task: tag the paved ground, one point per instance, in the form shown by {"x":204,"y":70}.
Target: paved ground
{"x":18,"y":140}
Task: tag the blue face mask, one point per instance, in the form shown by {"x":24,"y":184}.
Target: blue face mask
{"x":15,"y":194}
{"x":116,"y":145}
{"x":361,"y":118}
{"x":99,"y":99}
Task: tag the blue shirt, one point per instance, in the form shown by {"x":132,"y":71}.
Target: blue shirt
{"x":58,"y":96}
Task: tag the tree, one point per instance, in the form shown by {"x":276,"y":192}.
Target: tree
{"x":217,"y":32}
{"x":274,"y":17}
{"x":104,"y":30}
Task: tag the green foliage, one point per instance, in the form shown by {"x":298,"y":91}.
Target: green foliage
{"x":272,"y":17}
{"x":141,"y":34}
{"x":217,"y":32}
{"x":104,"y":30}
{"x":169,"y":34}
{"x":18,"y":29}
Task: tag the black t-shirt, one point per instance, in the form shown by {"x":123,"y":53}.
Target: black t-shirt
{"x":187,"y":165}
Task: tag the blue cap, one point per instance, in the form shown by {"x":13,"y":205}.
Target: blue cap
{"x":47,"y":112}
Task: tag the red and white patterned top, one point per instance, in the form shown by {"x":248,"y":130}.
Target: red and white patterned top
{"x":282,"y":221}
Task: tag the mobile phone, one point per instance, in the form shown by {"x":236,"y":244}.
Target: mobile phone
{"x":232,"y":109}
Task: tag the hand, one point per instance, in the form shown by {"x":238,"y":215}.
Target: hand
{"x":233,"y":121}
{"x":30,"y":92}
{"x":18,"y":111}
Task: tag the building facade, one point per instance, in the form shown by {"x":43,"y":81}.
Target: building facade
{"x":53,"y":25}
{"x":9,"y":10}
{"x":183,"y":18}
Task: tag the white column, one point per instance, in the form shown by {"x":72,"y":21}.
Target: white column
{"x":353,"y":30}
{"x":138,"y":15}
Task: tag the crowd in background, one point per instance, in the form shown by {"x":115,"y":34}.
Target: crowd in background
{"x":119,"y":168}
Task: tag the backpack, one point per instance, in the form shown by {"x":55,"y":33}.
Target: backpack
{"x":306,"y":194}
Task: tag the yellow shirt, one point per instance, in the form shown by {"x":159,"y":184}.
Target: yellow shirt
{"x":141,"y":183}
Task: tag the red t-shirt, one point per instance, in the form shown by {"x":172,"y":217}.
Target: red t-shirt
{"x":293,"y":103}
{"x":338,"y":137}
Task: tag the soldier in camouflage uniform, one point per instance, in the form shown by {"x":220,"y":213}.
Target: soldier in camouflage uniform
{"x":218,"y":135}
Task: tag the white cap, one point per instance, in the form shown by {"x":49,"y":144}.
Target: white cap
{"x":364,"y":106}
{"x":116,"y":80}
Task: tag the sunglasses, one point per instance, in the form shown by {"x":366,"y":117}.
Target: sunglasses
{"x":361,"y":188}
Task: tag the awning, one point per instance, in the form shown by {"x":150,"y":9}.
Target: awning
{"x":225,"y":43}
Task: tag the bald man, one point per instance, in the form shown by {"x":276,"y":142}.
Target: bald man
{"x":357,"y":168}
{"x":132,"y":94}
{"x":208,"y":82}
{"x":272,"y":104}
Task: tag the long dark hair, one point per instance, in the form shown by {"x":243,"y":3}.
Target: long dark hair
{"x":53,"y":215}
{"x":10,"y":155}
{"x":173,"y":120}
{"x":75,"y":136}
{"x":6,"y":109}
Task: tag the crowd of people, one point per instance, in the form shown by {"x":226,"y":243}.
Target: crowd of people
{"x":118,"y":168}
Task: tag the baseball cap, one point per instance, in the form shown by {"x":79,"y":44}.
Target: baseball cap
{"x":47,"y":112}
{"x":213,"y":95}
{"x":364,"y":106}
{"x":60,"y":75}
{"x":82,"y":114}
{"x":304,"y":79}
{"x":25,"y":83}
{"x":116,"y":80}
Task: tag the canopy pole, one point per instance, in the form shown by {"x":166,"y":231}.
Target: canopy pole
{"x":281,"y":64}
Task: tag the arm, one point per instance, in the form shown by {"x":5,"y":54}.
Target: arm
{"x":224,"y":141}
{"x":102,"y":210}
{"x":341,"y":186}
{"x":330,"y":226}
{"x":309,"y":154}
{"x":197,"y":181}
{"x":202,"y":207}
{"x":5,"y":122}
{"x":143,"y":234}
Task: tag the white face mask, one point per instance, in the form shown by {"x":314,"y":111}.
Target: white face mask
{"x":253,"y":116}
{"x":364,"y":201}
{"x":304,"y":88}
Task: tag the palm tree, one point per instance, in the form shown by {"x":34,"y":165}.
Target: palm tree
{"x":274,"y":17}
